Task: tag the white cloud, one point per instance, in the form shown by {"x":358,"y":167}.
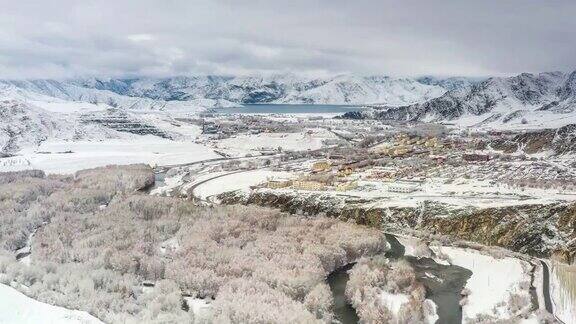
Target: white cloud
{"x":65,"y":38}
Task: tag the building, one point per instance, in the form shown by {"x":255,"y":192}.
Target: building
{"x":345,"y":172}
{"x":321,"y":166}
{"x":308,"y":185}
{"x":403,"y":188}
{"x":275,"y":184}
{"x":401,"y":150}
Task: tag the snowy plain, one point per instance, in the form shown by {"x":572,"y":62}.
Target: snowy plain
{"x":66,"y":157}
{"x":238,"y":181}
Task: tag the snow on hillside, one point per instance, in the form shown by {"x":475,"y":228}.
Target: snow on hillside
{"x":495,"y":283}
{"x":62,"y":136}
{"x":198,"y":92}
{"x":24,"y":125}
{"x":17,"y":308}
{"x":365,"y":90}
{"x":524,"y":101}
{"x":47,"y":90}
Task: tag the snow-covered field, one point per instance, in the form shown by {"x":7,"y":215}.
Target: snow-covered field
{"x":493,"y":282}
{"x":238,"y":181}
{"x":17,"y":308}
{"x":242,"y":145}
{"x":89,"y":154}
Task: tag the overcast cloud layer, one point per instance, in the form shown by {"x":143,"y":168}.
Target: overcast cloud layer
{"x":128,"y":38}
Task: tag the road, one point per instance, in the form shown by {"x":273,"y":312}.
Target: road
{"x":191,"y":189}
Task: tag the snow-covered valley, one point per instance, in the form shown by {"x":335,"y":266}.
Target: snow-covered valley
{"x":434,"y":180}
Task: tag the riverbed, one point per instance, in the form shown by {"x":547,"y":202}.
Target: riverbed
{"x":443,"y":283}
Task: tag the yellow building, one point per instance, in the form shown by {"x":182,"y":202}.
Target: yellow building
{"x":401,"y":150}
{"x":433,"y":142}
{"x":308,"y":185}
{"x":321,"y":166}
{"x":274,"y":184}
{"x":345,"y":172}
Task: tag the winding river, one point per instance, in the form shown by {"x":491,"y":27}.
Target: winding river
{"x":443,"y":285}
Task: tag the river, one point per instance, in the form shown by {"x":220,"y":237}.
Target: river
{"x":443,"y":285}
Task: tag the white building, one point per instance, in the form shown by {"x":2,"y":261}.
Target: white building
{"x":403,"y":188}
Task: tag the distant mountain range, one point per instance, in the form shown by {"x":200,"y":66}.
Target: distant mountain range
{"x":220,"y":91}
{"x":545,"y":99}
{"x":33,"y":110}
{"x":286,"y":88}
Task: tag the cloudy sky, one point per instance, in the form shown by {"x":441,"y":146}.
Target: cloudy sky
{"x":126,"y":38}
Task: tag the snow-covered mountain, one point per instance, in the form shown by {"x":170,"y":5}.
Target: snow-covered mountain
{"x":543,"y":99}
{"x":450,"y":83}
{"x":284,"y":88}
{"x":47,"y":90}
{"x":220,"y":91}
{"x":25,"y":125}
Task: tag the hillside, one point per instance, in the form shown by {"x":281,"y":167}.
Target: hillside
{"x":25,"y":125}
{"x":539,"y":100}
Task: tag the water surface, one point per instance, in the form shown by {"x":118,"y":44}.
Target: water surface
{"x":443,"y":285}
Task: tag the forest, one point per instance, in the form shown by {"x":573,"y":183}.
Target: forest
{"x":100,"y":245}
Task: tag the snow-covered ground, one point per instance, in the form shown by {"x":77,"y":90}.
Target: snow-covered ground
{"x":493,"y":282}
{"x":563,"y":291}
{"x":532,"y":118}
{"x":237,"y":181}
{"x":17,"y":308}
{"x":89,"y":154}
{"x":201,"y":308}
{"x":459,"y":193}
{"x":241,"y":145}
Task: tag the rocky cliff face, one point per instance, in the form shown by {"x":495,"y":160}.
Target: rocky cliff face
{"x":537,"y":230}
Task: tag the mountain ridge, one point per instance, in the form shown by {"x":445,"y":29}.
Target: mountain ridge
{"x":214,"y":91}
{"x":525,"y":97}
